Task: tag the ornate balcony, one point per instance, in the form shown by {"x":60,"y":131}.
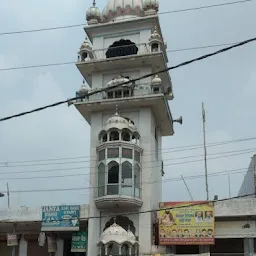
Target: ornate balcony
{"x":141,"y":96}
{"x":117,"y":55}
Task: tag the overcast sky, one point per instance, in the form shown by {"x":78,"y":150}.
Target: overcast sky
{"x":226,"y":83}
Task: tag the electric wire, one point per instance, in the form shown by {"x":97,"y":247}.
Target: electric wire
{"x":159,"y":13}
{"x":132,"y":80}
{"x":163,"y":151}
{"x":235,"y":153}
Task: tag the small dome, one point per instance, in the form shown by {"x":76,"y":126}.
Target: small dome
{"x":84,"y":89}
{"x":118,"y":80}
{"x":86,"y":46}
{"x":93,"y":14}
{"x":155,"y":36}
{"x":116,"y":233}
{"x":150,"y":6}
{"x":120,"y":123}
{"x":156,"y":81}
{"x":122,"y":9}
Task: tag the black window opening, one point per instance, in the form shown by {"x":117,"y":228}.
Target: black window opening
{"x":122,"y":48}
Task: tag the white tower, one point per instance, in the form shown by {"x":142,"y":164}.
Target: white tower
{"x":127,"y":123}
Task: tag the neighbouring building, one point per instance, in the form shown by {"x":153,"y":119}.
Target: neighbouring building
{"x":249,"y":183}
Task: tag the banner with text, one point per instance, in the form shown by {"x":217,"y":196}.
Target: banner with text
{"x":79,"y":241}
{"x":60,"y":218}
{"x":184,"y":223}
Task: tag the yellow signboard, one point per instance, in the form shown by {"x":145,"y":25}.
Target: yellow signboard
{"x":183,"y":223}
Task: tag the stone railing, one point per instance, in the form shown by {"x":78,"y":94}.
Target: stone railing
{"x":139,"y":90}
{"x":116,"y":51}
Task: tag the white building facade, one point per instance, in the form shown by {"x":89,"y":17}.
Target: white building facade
{"x":127,"y":122}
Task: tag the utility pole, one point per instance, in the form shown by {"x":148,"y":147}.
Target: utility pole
{"x":229,"y":186}
{"x":8,"y":195}
{"x":205,"y":153}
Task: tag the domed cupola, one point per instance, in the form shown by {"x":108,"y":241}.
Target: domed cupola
{"x":93,"y":14}
{"x":155,"y":41}
{"x":85,"y":51}
{"x":118,"y":80}
{"x":156,"y":84}
{"x":122,"y":9}
{"x":84,"y":90}
{"x":150,"y":7}
{"x":120,"y":123}
{"x":117,"y":234}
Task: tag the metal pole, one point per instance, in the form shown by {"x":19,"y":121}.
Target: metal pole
{"x":8,"y":195}
{"x":14,"y":247}
{"x":191,"y":197}
{"x":229,"y":186}
{"x":205,"y":154}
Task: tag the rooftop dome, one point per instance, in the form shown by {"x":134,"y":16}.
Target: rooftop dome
{"x":118,"y":122}
{"x":93,"y":14}
{"x":118,"y":80}
{"x":117,"y":234}
{"x":122,"y":9}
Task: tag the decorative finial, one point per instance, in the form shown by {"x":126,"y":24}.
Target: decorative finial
{"x":129,"y":228}
{"x":94,"y":3}
{"x":116,"y":110}
{"x":114,"y":220}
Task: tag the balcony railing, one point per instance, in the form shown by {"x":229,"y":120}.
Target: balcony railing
{"x":119,"y":190}
{"x":115,"y":52}
{"x":142,"y":89}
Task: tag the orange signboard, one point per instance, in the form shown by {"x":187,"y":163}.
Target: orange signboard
{"x":183,"y":223}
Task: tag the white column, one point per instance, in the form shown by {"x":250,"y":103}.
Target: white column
{"x":23,"y":247}
{"x":248,"y":247}
{"x":60,"y":247}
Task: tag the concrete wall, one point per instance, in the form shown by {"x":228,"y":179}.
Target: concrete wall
{"x":235,"y":207}
{"x":248,"y":185}
{"x":234,"y":229}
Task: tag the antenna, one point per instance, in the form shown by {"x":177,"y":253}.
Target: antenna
{"x":191,"y":197}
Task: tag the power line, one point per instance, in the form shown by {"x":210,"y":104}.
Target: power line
{"x":73,"y":62}
{"x":220,"y":173}
{"x":95,"y":173}
{"x":159,"y":13}
{"x":6,"y":165}
{"x":168,"y":150}
{"x":132,"y":80}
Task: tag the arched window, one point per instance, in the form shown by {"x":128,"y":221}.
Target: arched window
{"x":122,"y":48}
{"x":137,"y":180}
{"x":113,"y":249}
{"x":103,"y":137}
{"x":114,"y":135}
{"x":125,"y":250}
{"x":154,"y":47}
{"x":126,"y":135}
{"x":113,"y":178}
{"x":127,"y":179}
{"x":101,"y":180}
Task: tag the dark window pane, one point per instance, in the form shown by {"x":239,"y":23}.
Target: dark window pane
{"x":127,"y":153}
{"x":113,"y":152}
{"x":102,"y":155}
{"x":137,"y":156}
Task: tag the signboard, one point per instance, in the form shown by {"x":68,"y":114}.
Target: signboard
{"x":79,"y":241}
{"x":184,"y":223}
{"x":12,"y":240}
{"x":52,"y":244}
{"x":60,"y":218}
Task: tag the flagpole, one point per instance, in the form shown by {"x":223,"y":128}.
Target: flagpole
{"x":205,"y":154}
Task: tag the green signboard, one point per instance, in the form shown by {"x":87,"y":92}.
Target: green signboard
{"x":79,"y":241}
